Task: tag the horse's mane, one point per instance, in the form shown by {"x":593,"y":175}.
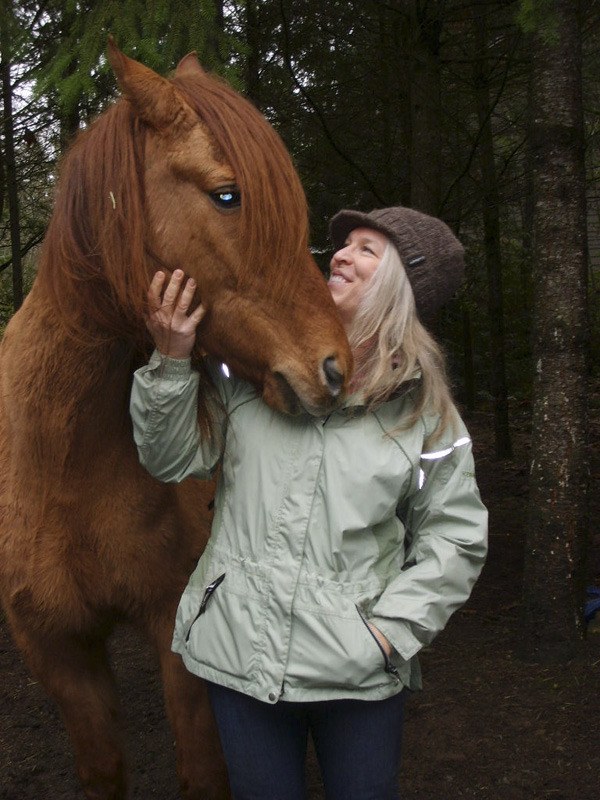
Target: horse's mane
{"x":95,"y":259}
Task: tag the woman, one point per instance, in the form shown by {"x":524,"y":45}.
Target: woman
{"x":340,"y":546}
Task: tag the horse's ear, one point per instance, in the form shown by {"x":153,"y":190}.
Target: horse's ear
{"x":154,"y":98}
{"x":189,"y":65}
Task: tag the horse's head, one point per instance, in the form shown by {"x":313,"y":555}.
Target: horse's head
{"x":224,"y":203}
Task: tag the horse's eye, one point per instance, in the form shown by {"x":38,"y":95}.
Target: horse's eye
{"x":226,"y":199}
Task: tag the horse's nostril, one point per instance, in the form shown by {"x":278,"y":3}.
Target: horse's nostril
{"x":334,"y":378}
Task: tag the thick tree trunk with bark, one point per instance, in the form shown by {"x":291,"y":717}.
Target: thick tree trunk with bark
{"x":10,"y":160}
{"x":553,"y":591}
{"x":468,"y":398}
{"x":527,"y":208}
{"x":387,"y":94}
{"x":490,"y":210}
{"x":425,"y":152}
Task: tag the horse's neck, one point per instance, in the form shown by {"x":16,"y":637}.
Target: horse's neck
{"x":79,"y":385}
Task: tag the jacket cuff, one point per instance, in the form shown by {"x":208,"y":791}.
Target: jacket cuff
{"x":399,"y":635}
{"x":170,"y":367}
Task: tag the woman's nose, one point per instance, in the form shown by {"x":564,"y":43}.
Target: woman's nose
{"x":343,"y":254}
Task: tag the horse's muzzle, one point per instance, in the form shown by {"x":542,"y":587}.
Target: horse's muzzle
{"x":287,"y":392}
{"x":333,"y":377}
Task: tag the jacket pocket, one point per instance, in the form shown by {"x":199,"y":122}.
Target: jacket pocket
{"x":388,"y":666}
{"x":208,"y":593}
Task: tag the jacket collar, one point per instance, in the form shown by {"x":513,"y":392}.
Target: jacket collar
{"x":358,"y":400}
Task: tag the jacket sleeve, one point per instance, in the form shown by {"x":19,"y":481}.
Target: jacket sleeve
{"x":164,"y":411}
{"x":446,"y":526}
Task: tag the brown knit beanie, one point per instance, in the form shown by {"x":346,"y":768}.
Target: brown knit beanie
{"x":431,"y":254}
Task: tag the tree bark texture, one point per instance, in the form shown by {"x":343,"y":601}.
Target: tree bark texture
{"x":10,"y":161}
{"x":527,"y":209}
{"x":490,"y":210}
{"x":386,"y":90}
{"x":426,"y":114}
{"x":553,"y":569}
{"x":468,"y":360}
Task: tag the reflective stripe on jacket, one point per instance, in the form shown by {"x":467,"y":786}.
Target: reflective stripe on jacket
{"x":321,"y":524}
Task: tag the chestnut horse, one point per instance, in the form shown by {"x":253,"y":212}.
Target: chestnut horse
{"x":179,"y":172}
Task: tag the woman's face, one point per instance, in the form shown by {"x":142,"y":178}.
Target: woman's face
{"x":352,"y":267}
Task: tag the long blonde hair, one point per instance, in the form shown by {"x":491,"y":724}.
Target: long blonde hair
{"x":391,"y":346}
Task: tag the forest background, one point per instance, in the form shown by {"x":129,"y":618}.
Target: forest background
{"x":483,"y":112}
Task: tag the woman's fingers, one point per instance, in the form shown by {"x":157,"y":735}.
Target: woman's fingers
{"x":155,"y":290}
{"x":171,"y":326}
{"x":187,"y":294}
{"x":173,"y":288}
{"x":197,"y":315}
{"x":173,"y":298}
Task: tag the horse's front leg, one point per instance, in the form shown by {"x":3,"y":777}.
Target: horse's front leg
{"x":75,"y":672}
{"x":200,"y":763}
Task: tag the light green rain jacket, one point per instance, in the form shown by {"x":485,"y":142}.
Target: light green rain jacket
{"x":321,"y":524}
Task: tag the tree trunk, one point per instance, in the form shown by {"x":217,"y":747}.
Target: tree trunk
{"x":425,"y":152}
{"x":553,"y":590}
{"x":527,"y":210}
{"x":468,"y":360}
{"x":252,"y":71}
{"x":2,"y":182}
{"x":213,"y":40}
{"x":490,"y":209}
{"x":389,"y":97}
{"x":9,"y":159}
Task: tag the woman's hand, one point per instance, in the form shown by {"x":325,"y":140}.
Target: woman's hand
{"x":383,"y":641}
{"x":171,"y":327}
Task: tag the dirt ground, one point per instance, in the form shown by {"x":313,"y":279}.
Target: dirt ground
{"x":485,"y":726}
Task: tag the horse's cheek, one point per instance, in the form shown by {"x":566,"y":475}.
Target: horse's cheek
{"x":188,"y":233}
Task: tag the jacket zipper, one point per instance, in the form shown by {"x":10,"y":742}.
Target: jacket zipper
{"x":389,"y":667}
{"x":208,"y":593}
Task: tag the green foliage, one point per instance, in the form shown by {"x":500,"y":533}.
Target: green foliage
{"x":156,"y":32}
{"x":539,"y":17}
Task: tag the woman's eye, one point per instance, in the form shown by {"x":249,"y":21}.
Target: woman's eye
{"x":226,"y":199}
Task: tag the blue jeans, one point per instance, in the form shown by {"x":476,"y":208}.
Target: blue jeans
{"x":357,"y":743}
